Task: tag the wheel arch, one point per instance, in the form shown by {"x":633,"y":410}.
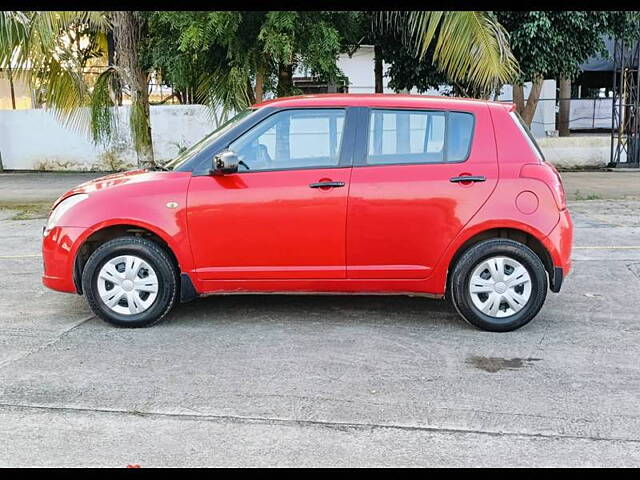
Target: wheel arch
{"x":103,"y":233}
{"x":512,"y":233}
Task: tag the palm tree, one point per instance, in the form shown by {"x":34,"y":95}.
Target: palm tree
{"x":35,"y":43}
{"x":471,"y":47}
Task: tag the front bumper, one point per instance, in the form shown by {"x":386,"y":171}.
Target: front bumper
{"x":58,"y":254}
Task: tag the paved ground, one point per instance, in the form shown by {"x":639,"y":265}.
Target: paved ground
{"x":319,"y":381}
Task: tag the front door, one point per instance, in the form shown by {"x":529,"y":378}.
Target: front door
{"x":283,"y":215}
{"x":407,"y":201}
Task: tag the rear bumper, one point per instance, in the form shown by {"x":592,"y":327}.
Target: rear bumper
{"x":559,"y":244}
{"x":58,"y":253}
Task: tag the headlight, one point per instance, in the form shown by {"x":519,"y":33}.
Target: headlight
{"x":62,"y":208}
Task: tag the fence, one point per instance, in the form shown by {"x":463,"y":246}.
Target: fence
{"x":584,"y":114}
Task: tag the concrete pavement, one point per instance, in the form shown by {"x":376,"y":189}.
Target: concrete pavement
{"x":327,"y":380}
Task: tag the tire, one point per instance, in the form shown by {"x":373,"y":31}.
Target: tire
{"x":152,"y":292}
{"x":482,"y":264}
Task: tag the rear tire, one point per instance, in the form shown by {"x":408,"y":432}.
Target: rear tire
{"x":498,"y":285}
{"x":130,"y":282}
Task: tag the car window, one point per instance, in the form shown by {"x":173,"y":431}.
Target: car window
{"x":411,"y":136}
{"x":198,"y":147}
{"x":292,"y":139}
{"x":459,"y":132}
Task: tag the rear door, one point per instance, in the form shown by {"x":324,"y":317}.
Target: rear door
{"x":409,"y":197}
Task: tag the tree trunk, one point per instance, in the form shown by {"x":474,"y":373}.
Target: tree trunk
{"x":285,"y":80}
{"x":111,"y":51}
{"x":527,"y":110}
{"x":518,"y":97}
{"x":377,"y":68}
{"x":251,"y":92}
{"x":532,"y":101}
{"x":110,"y":48}
{"x":259,"y":93}
{"x":127,"y":31}
{"x":496,"y":93}
{"x":11,"y":86}
{"x":565,"y":103}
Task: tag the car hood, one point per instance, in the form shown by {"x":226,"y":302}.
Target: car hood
{"x":113,"y":181}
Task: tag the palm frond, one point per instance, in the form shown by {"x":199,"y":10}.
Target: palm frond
{"x":140,"y":128}
{"x":224,"y":90}
{"x":14,"y":32}
{"x":103,"y":107}
{"x":65,"y":92}
{"x":471,"y":47}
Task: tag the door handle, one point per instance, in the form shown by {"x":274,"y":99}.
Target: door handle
{"x":326,"y":185}
{"x":468,"y":178}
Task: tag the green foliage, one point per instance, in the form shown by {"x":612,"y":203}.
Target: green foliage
{"x":470,"y":48}
{"x":624,"y":24}
{"x":35,"y":42}
{"x":140,"y":127}
{"x":103,"y":121}
{"x":406,"y":71}
{"x":51,"y":50}
{"x":217,"y":55}
{"x":554,"y":43}
{"x":547,"y":43}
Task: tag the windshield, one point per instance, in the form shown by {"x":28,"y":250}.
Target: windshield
{"x":206,"y":141}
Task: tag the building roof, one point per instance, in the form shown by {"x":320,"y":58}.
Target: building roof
{"x":373,"y":100}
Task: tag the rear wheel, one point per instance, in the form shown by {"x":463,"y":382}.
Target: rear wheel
{"x":498,"y":285}
{"x":130,"y":282}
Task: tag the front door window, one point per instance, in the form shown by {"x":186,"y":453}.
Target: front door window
{"x":292,"y":139}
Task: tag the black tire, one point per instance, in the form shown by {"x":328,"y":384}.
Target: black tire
{"x":470,"y":259}
{"x":155,"y":256}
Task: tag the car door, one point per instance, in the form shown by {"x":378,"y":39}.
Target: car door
{"x":407,"y":199}
{"x":283,"y":214}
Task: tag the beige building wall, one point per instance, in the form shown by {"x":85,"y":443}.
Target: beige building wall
{"x":22,"y":93}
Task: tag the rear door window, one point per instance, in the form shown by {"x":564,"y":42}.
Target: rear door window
{"x":414,"y":136}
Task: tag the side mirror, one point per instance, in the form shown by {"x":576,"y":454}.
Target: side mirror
{"x":224,"y":163}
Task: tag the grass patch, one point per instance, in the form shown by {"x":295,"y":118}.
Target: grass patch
{"x":588,"y":196}
{"x":27,"y":211}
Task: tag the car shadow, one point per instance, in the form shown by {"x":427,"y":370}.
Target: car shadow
{"x":317,"y":307}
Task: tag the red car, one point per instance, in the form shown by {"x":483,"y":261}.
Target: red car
{"x":360,"y":194}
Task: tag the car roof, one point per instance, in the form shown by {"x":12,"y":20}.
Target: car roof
{"x":377,"y":100}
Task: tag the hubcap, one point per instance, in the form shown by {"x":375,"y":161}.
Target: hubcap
{"x":500,"y":287}
{"x":127,"y":285}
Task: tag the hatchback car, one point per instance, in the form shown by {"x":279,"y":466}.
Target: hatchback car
{"x":358,"y":194}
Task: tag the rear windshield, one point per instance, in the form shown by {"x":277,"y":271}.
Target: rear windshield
{"x":528,"y":135}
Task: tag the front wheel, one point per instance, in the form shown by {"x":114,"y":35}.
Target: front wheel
{"x":498,"y":285}
{"x":130,"y":282}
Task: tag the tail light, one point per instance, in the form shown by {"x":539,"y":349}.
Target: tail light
{"x":546,"y":173}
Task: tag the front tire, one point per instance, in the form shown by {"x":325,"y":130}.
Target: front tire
{"x":498,"y":285}
{"x":130,"y":282}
